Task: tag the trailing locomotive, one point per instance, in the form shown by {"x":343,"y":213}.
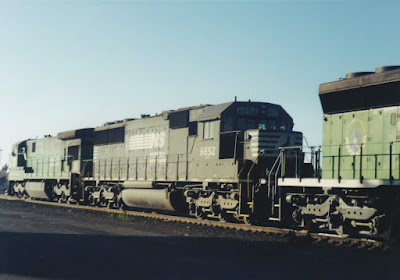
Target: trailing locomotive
{"x":357,"y":190}
{"x":208,"y":160}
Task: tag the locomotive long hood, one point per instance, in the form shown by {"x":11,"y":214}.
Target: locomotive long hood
{"x":360,"y":93}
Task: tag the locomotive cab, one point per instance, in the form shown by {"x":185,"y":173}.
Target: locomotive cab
{"x":239,"y":144}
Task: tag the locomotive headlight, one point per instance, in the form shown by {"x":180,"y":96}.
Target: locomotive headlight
{"x":263,"y":181}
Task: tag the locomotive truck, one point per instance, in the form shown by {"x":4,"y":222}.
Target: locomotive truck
{"x":207,"y":160}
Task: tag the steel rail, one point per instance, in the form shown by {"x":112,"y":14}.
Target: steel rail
{"x":295,"y":236}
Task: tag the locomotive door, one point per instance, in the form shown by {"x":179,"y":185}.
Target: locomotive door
{"x":178,"y":154}
{"x":73,"y":159}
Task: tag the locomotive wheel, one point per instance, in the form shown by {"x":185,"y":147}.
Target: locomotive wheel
{"x":91,"y":200}
{"x":339,"y":230}
{"x":222,"y":217}
{"x":199,"y":214}
{"x":226,"y":218}
{"x":19,"y":194}
{"x":345,"y":229}
{"x":122,"y":205}
{"x":63,"y":198}
{"x":309,"y":225}
{"x":70,"y":200}
{"x":111,"y":205}
{"x":250,"y":220}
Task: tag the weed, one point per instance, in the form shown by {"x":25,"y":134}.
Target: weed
{"x":126,"y":218}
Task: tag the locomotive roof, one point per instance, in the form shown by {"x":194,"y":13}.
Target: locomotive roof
{"x":72,"y":134}
{"x":363,"y":90}
{"x":166,"y":112}
{"x":201,"y":112}
{"x":213,"y":111}
{"x":20,"y":142}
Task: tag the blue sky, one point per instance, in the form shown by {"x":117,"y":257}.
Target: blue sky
{"x":75,"y":64}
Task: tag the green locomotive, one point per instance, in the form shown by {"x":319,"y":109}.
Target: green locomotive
{"x":357,"y":188}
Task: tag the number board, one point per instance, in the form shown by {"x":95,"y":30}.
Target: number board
{"x":248,"y":111}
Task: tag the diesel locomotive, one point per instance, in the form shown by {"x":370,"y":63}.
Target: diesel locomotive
{"x":207,"y":160}
{"x":355,"y":187}
{"x":237,"y":161}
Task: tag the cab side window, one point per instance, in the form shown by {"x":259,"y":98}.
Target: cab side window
{"x":209,"y":130}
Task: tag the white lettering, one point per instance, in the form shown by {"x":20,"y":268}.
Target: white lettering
{"x":207,"y":151}
{"x":147,"y":141}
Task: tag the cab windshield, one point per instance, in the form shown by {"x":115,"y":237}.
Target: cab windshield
{"x":262,"y":124}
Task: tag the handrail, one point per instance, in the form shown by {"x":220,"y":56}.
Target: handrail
{"x":277,"y":161}
{"x":251,"y":168}
{"x":362,"y":163}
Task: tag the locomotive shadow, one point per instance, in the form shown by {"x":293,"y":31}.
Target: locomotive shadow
{"x":73,"y":256}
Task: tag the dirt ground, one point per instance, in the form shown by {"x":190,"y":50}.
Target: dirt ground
{"x":45,"y":242}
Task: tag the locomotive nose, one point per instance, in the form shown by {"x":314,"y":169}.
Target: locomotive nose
{"x":266,"y":143}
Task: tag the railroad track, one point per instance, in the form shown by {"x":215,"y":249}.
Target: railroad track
{"x":294,"y":236}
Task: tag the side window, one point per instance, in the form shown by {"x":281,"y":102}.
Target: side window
{"x":227,"y":145}
{"x":262,"y":125}
{"x":73,"y":153}
{"x":209,"y":130}
{"x":34,"y":147}
{"x":193,"y":128}
{"x":283,"y":125}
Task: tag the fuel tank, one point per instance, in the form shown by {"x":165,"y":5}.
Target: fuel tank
{"x":36,"y":190}
{"x":160,"y":199}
